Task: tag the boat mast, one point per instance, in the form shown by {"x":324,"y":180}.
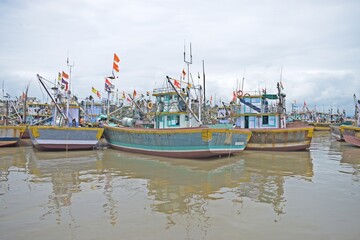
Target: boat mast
{"x":204,"y":111}
{"x":68,"y":93}
{"x":188,"y":62}
{"x":25,"y":101}
{"x":47,"y":91}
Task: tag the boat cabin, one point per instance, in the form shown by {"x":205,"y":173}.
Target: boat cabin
{"x":259,"y":111}
{"x":171,"y":110}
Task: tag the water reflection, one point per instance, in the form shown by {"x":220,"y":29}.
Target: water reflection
{"x":186,"y":186}
{"x":173,"y":187}
{"x":351,"y":161}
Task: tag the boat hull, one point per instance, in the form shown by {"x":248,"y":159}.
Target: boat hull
{"x":336,"y":133}
{"x":321,"y":126}
{"x":64,"y":138}
{"x":199,"y":142}
{"x":11,"y":135}
{"x":351,"y":134}
{"x":280,"y":139}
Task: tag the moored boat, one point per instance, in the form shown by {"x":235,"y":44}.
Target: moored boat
{"x":177,"y":131}
{"x":11,"y":135}
{"x":194,"y":142}
{"x":264,"y":114}
{"x":351,"y":134}
{"x":64,"y":135}
{"x":64,"y":138}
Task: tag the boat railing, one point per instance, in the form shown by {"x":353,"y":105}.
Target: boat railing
{"x":163,"y":90}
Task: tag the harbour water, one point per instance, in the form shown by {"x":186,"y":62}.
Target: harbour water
{"x":109,"y":194}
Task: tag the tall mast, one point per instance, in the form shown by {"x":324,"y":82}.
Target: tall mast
{"x":69,"y":90}
{"x":204,"y":114}
{"x":188,"y":62}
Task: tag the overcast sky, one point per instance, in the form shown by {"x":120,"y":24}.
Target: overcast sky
{"x":315,"y":42}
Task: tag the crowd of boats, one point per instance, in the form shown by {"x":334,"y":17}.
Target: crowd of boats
{"x":180,"y":122}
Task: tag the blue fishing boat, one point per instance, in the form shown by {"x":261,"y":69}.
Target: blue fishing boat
{"x":177,"y":131}
{"x":265,"y":115}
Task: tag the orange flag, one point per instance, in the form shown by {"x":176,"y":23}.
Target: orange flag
{"x":134,"y":94}
{"x":65,"y":75}
{"x":116,"y":58}
{"x":115,"y":67}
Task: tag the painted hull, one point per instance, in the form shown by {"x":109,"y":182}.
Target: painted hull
{"x":321,"y":126}
{"x":351,"y":134}
{"x":64,"y":138}
{"x":280,"y":139}
{"x":11,"y":135}
{"x":199,"y":142}
{"x":336,"y":133}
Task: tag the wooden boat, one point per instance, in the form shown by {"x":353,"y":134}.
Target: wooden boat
{"x":64,"y":135}
{"x":11,"y":135}
{"x":267,"y":121}
{"x":349,"y":131}
{"x":351,"y":134}
{"x":64,"y":138}
{"x":336,"y":132}
{"x":194,"y":142}
{"x":177,"y":131}
{"x":320,"y":126}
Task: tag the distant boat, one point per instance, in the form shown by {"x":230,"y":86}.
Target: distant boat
{"x":67,"y":136}
{"x":351,"y":134}
{"x":264,"y":114}
{"x":350,"y":128}
{"x":177,"y":131}
{"x":11,"y":135}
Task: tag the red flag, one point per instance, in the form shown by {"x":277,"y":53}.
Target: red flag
{"x":65,"y":75}
{"x":234,"y":96}
{"x":183,"y":73}
{"x":115,"y":67}
{"x":134,"y":94}
{"x":107,"y":81}
{"x":116,"y":58}
{"x":177,"y":83}
{"x":128,"y":99}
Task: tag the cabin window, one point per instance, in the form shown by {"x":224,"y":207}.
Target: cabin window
{"x":186,"y":118}
{"x":265,"y":120}
{"x":272,"y":121}
{"x":173,"y":121}
{"x":255,"y":100}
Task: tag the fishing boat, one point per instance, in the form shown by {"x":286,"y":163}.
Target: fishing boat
{"x":10,"y":130}
{"x":177,"y":131}
{"x":265,"y":115}
{"x":64,"y":135}
{"x":336,"y":129}
{"x":11,"y":135}
{"x":351,"y":134}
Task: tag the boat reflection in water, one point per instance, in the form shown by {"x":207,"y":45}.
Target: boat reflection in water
{"x":180,"y":187}
{"x":351,"y":160}
{"x":185,"y":186}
